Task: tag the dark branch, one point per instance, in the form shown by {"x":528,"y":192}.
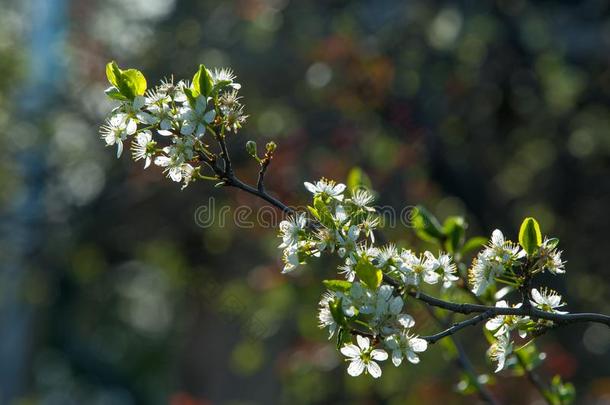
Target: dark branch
{"x":260,"y":184}
{"x":464,"y":362}
{"x":235,"y":182}
{"x":457,"y":326}
{"x":532,"y":312}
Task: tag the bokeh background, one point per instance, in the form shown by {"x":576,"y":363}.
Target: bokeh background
{"x":110,"y":293}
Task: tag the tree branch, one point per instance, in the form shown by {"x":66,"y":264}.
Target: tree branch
{"x":457,"y":326}
{"x":532,"y":312}
{"x":464,"y":362}
{"x":260,"y":184}
{"x":233,"y":181}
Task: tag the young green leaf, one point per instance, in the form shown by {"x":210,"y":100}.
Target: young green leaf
{"x":191,"y":96}
{"x":426,"y":225}
{"x":454,"y":229}
{"x":202,"y":82}
{"x":357,"y":178}
{"x":337,"y":285}
{"x":337,"y":312}
{"x":368,"y":274}
{"x":135,"y":80}
{"x":530,"y":237}
{"x":474,"y":243}
{"x":116,"y":78}
{"x":115,"y":94}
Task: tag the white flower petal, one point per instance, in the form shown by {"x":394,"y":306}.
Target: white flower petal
{"x":373,"y":369}
{"x":418,"y":345}
{"x":412,"y":357}
{"x":350,"y":350}
{"x":379,"y":355}
{"x":406,"y":321}
{"x":339,"y":188}
{"x":363,"y":342}
{"x":119,"y":149}
{"x":310,"y":187}
{"x":397,"y":357}
{"x":355,"y":368}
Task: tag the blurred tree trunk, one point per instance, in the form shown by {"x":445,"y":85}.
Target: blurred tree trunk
{"x":23,"y":227}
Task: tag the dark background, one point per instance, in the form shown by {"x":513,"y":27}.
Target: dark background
{"x":112,"y":294}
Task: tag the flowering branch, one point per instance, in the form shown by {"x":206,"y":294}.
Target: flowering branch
{"x":169,"y":125}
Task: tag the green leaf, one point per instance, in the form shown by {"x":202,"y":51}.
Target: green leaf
{"x":314,"y":212}
{"x":202,"y":82}
{"x":115,"y":77}
{"x":552,"y":243}
{"x":530,"y":237}
{"x":130,"y":83}
{"x":343,"y":338}
{"x":191,"y":96}
{"x":454,"y":229}
{"x":426,"y":225}
{"x":337,"y":312}
{"x":474,"y":243}
{"x":324,"y":214}
{"x":135,"y":80}
{"x":115,"y":94}
{"x":113,"y":73}
{"x":368,"y":274}
{"x":337,"y":285}
{"x":357,"y":178}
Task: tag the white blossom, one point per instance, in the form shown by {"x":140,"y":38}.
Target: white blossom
{"x":291,"y":258}
{"x":134,"y":109}
{"x":326,"y":188}
{"x":143,"y":148}
{"x":551,"y":258}
{"x":347,"y":240}
{"x":194,"y":119}
{"x":325,"y":317}
{"x":500,"y":350}
{"x":361,"y":199}
{"x":415,"y":269}
{"x":116,"y":130}
{"x":405,"y":345}
{"x":492,"y":261}
{"x":503,"y":324}
{"x":363,"y":357}
{"x":224,"y":75}
{"x":547,"y":300}
{"x":164,"y":114}
{"x":388,"y":255}
{"x":444,"y":267}
{"x":292,"y":228}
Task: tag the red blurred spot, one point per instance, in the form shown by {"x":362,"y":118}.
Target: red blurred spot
{"x":184,"y":398}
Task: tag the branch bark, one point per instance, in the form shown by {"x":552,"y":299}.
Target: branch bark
{"x":532,"y":312}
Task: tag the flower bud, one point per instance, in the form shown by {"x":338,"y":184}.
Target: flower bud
{"x":271,"y":147}
{"x":251,"y":149}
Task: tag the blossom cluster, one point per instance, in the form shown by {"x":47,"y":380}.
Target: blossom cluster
{"x":344,"y":222}
{"x":504,"y":261}
{"x":167,"y":125}
{"x":362,"y":303}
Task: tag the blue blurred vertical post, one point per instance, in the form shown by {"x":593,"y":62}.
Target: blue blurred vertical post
{"x":23,"y":229}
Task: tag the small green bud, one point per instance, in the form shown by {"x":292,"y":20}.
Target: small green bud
{"x":251,"y":149}
{"x":271,"y":147}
